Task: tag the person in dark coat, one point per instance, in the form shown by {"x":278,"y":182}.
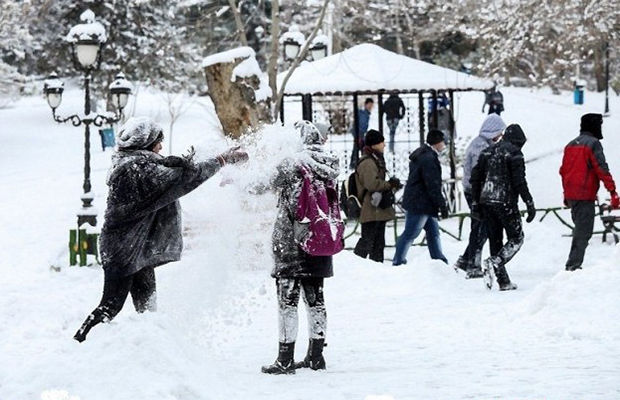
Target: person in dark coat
{"x":374,"y":192}
{"x":490,"y":132}
{"x":363,"y":119}
{"x":142,"y":228}
{"x":295,"y":271}
{"x":497,"y":181}
{"x":423,"y":200}
{"x":583,"y":167}
{"x":495,"y":100}
{"x":394,"y":110}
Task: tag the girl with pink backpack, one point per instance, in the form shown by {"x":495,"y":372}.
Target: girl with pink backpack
{"x":308,"y":231}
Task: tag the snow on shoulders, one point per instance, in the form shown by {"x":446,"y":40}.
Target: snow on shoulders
{"x":228,"y":56}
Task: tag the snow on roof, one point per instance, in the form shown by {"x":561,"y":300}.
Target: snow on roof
{"x":89,"y":30}
{"x":370,"y":68}
{"x":228,"y":56}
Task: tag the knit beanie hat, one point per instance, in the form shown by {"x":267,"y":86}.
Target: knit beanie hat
{"x":139,"y":133}
{"x":324,"y":129}
{"x":492,"y":126}
{"x":434,"y":136}
{"x":373,"y":137}
{"x":592,"y":123}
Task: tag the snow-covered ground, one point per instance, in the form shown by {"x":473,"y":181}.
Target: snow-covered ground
{"x":419,"y":332}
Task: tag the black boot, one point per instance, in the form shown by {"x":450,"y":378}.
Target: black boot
{"x":314,"y":358}
{"x":462,"y":264}
{"x":503,"y":280}
{"x":284,"y":364}
{"x":90,"y":321}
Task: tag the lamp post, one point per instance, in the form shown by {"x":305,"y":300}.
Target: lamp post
{"x":291,"y":42}
{"x":318,"y":47}
{"x":87,"y":40}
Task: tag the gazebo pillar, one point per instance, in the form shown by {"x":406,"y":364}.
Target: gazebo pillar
{"x":421,"y":115}
{"x":380,"y":96}
{"x":356,"y":120}
{"x":306,"y":107}
{"x":282,"y":110}
{"x":434,"y":112}
{"x":452,"y":152}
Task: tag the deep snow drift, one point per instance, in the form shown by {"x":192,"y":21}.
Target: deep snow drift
{"x":418,"y":332}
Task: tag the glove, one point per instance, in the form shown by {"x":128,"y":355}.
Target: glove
{"x":395,"y":183}
{"x":615,"y":201}
{"x":189,"y":156}
{"x":444,"y":212}
{"x":476,"y":212}
{"x":531,"y":212}
{"x":233,"y":156}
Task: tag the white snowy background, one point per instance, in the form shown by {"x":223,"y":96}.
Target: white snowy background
{"x":418,"y":332}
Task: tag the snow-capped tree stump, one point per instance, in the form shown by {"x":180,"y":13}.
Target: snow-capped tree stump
{"x":235,"y":88}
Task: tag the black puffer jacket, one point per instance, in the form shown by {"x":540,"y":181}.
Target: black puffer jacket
{"x":142,"y":225}
{"x":423,"y":189}
{"x":499,"y":175}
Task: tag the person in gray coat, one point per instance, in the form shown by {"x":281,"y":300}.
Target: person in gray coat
{"x":490,"y":132}
{"x":142,"y":228}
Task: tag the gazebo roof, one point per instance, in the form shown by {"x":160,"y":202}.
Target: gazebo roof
{"x":368,"y":68}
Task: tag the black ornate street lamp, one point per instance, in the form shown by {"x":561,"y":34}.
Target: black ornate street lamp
{"x":87,"y":41}
{"x":318,"y":47}
{"x":291,"y":43}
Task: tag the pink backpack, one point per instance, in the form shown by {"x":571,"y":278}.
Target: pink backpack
{"x":318,"y":208}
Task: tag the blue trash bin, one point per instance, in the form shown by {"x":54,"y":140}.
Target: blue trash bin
{"x":578,"y":93}
{"x":107,"y":138}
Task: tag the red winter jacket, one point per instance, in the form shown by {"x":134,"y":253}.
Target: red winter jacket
{"x":583,"y":166}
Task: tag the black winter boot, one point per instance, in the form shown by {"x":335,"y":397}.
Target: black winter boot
{"x":314,"y":358}
{"x":462,"y":264}
{"x":488,"y":272}
{"x":474,"y":273}
{"x":503,"y":280}
{"x":88,"y":324}
{"x":284,"y":365}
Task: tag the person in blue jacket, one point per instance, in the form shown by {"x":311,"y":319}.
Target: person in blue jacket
{"x":423,"y":199}
{"x":363,"y":116}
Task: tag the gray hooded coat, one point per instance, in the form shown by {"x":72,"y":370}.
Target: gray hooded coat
{"x":492,"y":126}
{"x":290,"y":260}
{"x":142,"y":225}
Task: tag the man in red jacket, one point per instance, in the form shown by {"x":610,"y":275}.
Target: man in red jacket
{"x":583,"y":167}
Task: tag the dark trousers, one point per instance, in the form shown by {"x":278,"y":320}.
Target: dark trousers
{"x":500,"y":218}
{"x":355,"y":154}
{"x":141,"y":285}
{"x":289,"y":291}
{"x":372,"y":242}
{"x":582,"y":213}
{"x":477,"y":238}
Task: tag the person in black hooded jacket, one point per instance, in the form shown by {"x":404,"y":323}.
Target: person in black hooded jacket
{"x":497,"y":181}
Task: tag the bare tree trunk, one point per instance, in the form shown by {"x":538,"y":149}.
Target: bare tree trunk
{"x":235,"y":102}
{"x":238,"y":23}
{"x":599,"y":68}
{"x":272,"y":68}
{"x":301,"y":56}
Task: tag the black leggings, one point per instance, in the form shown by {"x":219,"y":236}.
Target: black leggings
{"x":289,"y":291}
{"x":141,"y":285}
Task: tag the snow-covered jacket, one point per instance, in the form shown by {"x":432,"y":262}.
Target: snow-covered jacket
{"x":499,"y":175}
{"x":290,"y":261}
{"x":492,"y":126}
{"x":142,"y":225}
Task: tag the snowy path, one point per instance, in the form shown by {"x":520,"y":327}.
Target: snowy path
{"x":420,"y":332}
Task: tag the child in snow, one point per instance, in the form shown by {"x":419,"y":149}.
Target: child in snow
{"x":497,"y":181}
{"x":142,"y":228}
{"x":376,"y":197}
{"x":423,"y":199}
{"x":297,"y":272}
